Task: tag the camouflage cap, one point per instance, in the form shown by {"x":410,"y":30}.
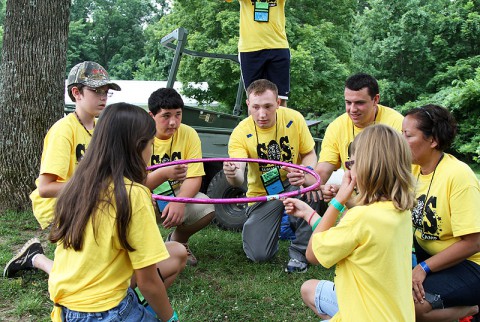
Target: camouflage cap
{"x":90,"y":74}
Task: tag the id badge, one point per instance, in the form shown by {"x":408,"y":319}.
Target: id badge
{"x":272,"y":182}
{"x":165,"y":189}
{"x":261,"y":11}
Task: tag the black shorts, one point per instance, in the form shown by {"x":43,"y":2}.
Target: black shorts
{"x":458,"y":285}
{"x":271,"y":64}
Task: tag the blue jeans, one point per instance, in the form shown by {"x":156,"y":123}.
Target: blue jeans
{"x":127,"y":310}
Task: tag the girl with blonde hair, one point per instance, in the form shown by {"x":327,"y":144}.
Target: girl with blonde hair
{"x":371,"y":244}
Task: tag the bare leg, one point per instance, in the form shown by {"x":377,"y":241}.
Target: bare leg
{"x":425,"y":313}
{"x":182,"y":233}
{"x":174,"y":265}
{"x":308,"y":296}
{"x":283,"y":103}
{"x":171,"y":267}
{"x":43,"y":263}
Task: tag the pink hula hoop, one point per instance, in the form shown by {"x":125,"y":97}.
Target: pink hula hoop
{"x":237,"y":200}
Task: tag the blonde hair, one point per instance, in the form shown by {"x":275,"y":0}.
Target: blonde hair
{"x":383,"y":165}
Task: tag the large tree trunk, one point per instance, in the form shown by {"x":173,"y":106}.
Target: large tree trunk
{"x":32,"y":82}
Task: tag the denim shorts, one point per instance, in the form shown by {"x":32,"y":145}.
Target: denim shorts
{"x":127,"y":310}
{"x":326,"y":298}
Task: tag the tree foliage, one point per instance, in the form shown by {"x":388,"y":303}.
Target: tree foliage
{"x":319,"y":55}
{"x":111,"y":32}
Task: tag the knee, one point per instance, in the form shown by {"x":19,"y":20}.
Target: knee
{"x":178,"y":252}
{"x":307,"y":290}
{"x":257,"y":256}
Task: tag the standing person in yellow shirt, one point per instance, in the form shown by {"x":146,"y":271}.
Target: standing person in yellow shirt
{"x":263,"y":46}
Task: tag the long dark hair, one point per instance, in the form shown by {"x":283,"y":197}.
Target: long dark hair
{"x":115,"y":153}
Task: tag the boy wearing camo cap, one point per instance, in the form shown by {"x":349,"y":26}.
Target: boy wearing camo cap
{"x":88,"y":86}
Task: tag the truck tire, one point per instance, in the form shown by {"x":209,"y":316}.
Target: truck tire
{"x":227,"y":216}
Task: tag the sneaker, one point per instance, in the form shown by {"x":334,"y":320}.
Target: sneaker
{"x":296,"y":266}
{"x":191,"y":259}
{"x":23,"y":259}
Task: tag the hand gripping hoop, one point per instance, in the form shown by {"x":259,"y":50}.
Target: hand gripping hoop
{"x":237,"y":200}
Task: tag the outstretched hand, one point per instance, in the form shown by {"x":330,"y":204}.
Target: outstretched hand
{"x":297,"y":208}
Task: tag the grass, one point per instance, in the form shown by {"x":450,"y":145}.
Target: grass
{"x":224,"y":286}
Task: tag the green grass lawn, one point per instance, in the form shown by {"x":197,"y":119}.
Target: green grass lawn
{"x":224,"y":286}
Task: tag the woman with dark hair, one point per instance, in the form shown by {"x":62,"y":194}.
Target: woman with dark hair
{"x":446,"y":282}
{"x":105,"y":228}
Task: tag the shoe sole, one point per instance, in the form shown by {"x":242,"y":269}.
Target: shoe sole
{"x":296,"y":272}
{"x":20,"y":253}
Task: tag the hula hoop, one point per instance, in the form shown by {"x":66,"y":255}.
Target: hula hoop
{"x":237,"y":200}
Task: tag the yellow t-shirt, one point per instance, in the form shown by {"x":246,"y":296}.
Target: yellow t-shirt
{"x":285,"y":142}
{"x":63,"y":147}
{"x":96,"y":278}
{"x":451,"y":209}
{"x":183,"y":145}
{"x":341,"y":132}
{"x":372,"y":249}
{"x":255,"y":35}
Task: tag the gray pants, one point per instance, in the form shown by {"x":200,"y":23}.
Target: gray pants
{"x":261,"y":231}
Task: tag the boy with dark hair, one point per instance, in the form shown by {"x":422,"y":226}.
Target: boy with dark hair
{"x":177,"y":141}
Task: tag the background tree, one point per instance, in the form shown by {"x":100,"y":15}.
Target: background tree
{"x":2,"y":18}
{"x":111,"y":32}
{"x":31,"y":91}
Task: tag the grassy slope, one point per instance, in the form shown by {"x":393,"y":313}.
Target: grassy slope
{"x":224,"y":286}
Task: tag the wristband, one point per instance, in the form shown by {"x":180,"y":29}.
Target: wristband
{"x":174,"y":317}
{"x":309,"y":167}
{"x":316,"y":224}
{"x":425,"y":267}
{"x":337,"y":205}
{"x":311,"y":216}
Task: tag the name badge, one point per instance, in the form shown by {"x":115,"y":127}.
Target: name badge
{"x":272,"y":182}
{"x":261,"y":11}
{"x":165,"y":189}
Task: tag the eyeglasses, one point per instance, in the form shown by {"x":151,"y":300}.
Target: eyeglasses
{"x":101,"y":92}
{"x":349,"y":164}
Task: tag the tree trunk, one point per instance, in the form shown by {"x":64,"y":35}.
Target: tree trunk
{"x":32,"y":85}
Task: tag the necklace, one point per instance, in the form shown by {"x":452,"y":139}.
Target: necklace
{"x":430,"y":184}
{"x":81,"y":123}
